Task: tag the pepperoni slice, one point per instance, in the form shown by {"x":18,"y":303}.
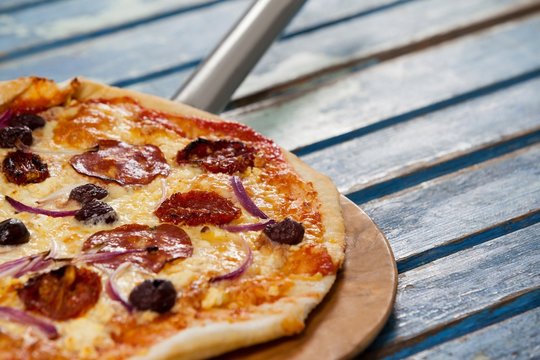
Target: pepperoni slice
{"x":197,"y":208}
{"x":62,"y":294}
{"x":163,"y":243}
{"x":221,"y":156}
{"x":122,"y":163}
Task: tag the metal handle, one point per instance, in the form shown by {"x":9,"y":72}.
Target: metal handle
{"x":214,"y":82}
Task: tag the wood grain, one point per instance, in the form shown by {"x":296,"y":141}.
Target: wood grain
{"x":516,"y":338}
{"x":359,"y":37}
{"x":356,"y":308}
{"x":425,"y":216}
{"x":416,"y":144}
{"x":400,"y":85}
{"x":460,"y":284}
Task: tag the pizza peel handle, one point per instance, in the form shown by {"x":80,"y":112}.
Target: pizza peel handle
{"x":214,"y":82}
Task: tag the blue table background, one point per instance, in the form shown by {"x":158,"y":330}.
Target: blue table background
{"x":426,"y":113}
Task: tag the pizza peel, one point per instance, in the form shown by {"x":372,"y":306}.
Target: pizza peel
{"x":361,"y":300}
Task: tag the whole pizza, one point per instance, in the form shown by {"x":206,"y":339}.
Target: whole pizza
{"x":135,"y":227}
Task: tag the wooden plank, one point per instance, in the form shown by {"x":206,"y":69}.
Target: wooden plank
{"x":427,"y":216}
{"x":70,"y":19}
{"x":141,"y":49}
{"x":361,"y":36}
{"x":472,"y":280}
{"x":162,"y":29}
{"x":429,"y":139}
{"x":393,"y":88}
{"x":67,"y":19}
{"x":516,"y":338}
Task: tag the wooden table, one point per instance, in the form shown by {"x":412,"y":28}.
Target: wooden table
{"x":425,"y":113}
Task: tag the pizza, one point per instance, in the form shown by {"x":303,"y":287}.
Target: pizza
{"x":135,"y":227}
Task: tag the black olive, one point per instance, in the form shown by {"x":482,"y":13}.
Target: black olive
{"x":95,"y":211}
{"x":287,"y":232}
{"x":30,"y":120}
{"x":11,"y":134}
{"x":87,"y":192}
{"x":156,"y":295}
{"x":13,"y":232}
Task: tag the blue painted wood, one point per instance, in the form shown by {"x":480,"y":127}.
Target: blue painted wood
{"x":463,"y":284}
{"x":515,"y":338}
{"x":403,"y":85}
{"x":424,"y":141}
{"x":63,"y":23}
{"x":456,"y":205}
{"x":396,"y":26}
{"x":518,"y":304}
{"x":8,"y":6}
{"x":74,"y":21}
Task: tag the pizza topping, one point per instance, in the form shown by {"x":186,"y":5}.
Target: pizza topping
{"x":241,"y":269}
{"x":13,"y":232}
{"x":9,"y":136}
{"x":155,"y":246}
{"x":287,"y":232}
{"x":21,"y":266}
{"x":22,"y":317}
{"x":62,"y":294}
{"x":19,"y":206}
{"x":197,"y":208}
{"x":5,"y":116}
{"x":23,"y":168}
{"x":157,"y":295}
{"x":95,"y":212}
{"x":32,"y":121}
{"x":246,"y":227}
{"x":87,"y":192}
{"x":112,"y":288}
{"x":219,"y":156}
{"x":122,"y":163}
{"x":244,"y":198}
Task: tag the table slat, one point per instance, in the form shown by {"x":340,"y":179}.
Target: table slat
{"x":515,"y":338}
{"x":401,"y":86}
{"x":427,"y":216}
{"x":428,"y":140}
{"x":472,"y":279}
{"x":310,"y":52}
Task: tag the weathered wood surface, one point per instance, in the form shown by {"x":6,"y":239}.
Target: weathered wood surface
{"x":360,"y":36}
{"x":418,"y":143}
{"x":453,"y":206}
{"x":400,"y":86}
{"x":515,"y":338}
{"x":462,"y":283}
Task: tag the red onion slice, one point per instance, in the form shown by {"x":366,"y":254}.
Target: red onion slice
{"x":244,"y":198}
{"x":4,"y":117}
{"x":112,"y":287}
{"x":247,"y":227}
{"x":22,"y":317}
{"x":241,"y":269}
{"x":12,"y":267}
{"x":19,"y":206}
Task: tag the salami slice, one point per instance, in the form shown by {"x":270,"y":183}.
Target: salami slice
{"x":221,"y":156}
{"x":122,"y":163}
{"x":197,"y":208}
{"x":62,"y":294}
{"x":162,"y":243}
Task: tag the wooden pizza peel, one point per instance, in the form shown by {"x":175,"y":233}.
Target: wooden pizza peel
{"x":361,"y":300}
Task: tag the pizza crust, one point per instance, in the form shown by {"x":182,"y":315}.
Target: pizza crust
{"x":281,"y":318}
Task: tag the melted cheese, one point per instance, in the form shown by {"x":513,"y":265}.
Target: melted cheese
{"x":215,"y":251}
